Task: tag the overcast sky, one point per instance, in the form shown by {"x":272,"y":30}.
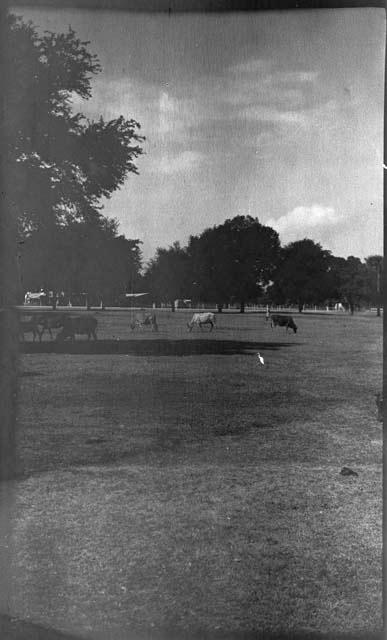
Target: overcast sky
{"x":278,"y":115}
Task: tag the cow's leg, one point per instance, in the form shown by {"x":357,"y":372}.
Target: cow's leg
{"x":211,"y":326}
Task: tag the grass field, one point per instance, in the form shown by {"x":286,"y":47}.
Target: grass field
{"x":167,"y":481}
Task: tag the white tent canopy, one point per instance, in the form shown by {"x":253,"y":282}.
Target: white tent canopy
{"x":135,"y":295}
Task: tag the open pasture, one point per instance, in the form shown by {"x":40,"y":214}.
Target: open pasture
{"x":170,"y":482}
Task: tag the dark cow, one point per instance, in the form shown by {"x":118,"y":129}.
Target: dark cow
{"x":72,"y":325}
{"x":50,"y":320}
{"x":29,"y":325}
{"x":150,"y":321}
{"x":283,"y":321}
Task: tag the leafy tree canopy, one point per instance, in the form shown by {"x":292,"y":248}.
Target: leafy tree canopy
{"x":59,"y":163}
{"x":353,"y":282}
{"x":303,"y":274}
{"x":89,"y":258}
{"x":234,"y":260}
{"x":167,"y":275}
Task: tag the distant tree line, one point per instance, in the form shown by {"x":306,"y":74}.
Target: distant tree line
{"x":60,"y":165}
{"x":242,"y":261}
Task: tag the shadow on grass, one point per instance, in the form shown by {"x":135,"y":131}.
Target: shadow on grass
{"x":15,"y":629}
{"x":29,"y":374}
{"x":155,"y":347}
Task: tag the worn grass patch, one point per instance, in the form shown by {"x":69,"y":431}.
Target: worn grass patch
{"x":202,"y":491}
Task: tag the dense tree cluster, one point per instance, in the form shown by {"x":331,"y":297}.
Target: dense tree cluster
{"x":303,"y":274}
{"x":59,"y":165}
{"x":168,"y":275}
{"x":233,"y":261}
{"x":89,"y":258}
{"x":242,"y":262}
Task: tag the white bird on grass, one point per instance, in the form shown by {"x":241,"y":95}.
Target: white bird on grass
{"x":261,"y":360}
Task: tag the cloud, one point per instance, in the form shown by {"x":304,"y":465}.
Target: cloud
{"x":178,"y":114}
{"x":252,"y":66}
{"x":295,"y":76}
{"x":274,"y":115}
{"x":168,"y":113}
{"x":316,"y":221}
{"x":185,"y":162}
{"x":264,"y":68}
{"x":256,"y":83}
{"x":184,"y":114}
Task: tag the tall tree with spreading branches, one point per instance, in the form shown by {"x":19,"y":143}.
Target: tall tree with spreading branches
{"x":303,"y":274}
{"x":233,"y":261}
{"x":59,"y":163}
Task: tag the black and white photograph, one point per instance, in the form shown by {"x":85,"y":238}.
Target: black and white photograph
{"x":191,"y":323}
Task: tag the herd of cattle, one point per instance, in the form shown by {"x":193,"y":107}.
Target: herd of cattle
{"x":71,"y":325}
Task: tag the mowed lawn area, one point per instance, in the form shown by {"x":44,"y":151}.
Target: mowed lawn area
{"x":170,"y":482}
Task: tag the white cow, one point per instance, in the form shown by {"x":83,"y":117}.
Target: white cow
{"x":200,"y":319}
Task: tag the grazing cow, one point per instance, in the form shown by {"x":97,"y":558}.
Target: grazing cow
{"x":283,"y":321}
{"x":50,"y":320}
{"x":29,"y":325}
{"x":379,"y":404}
{"x":148,"y":321}
{"x":200,"y":319}
{"x":72,"y":325}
